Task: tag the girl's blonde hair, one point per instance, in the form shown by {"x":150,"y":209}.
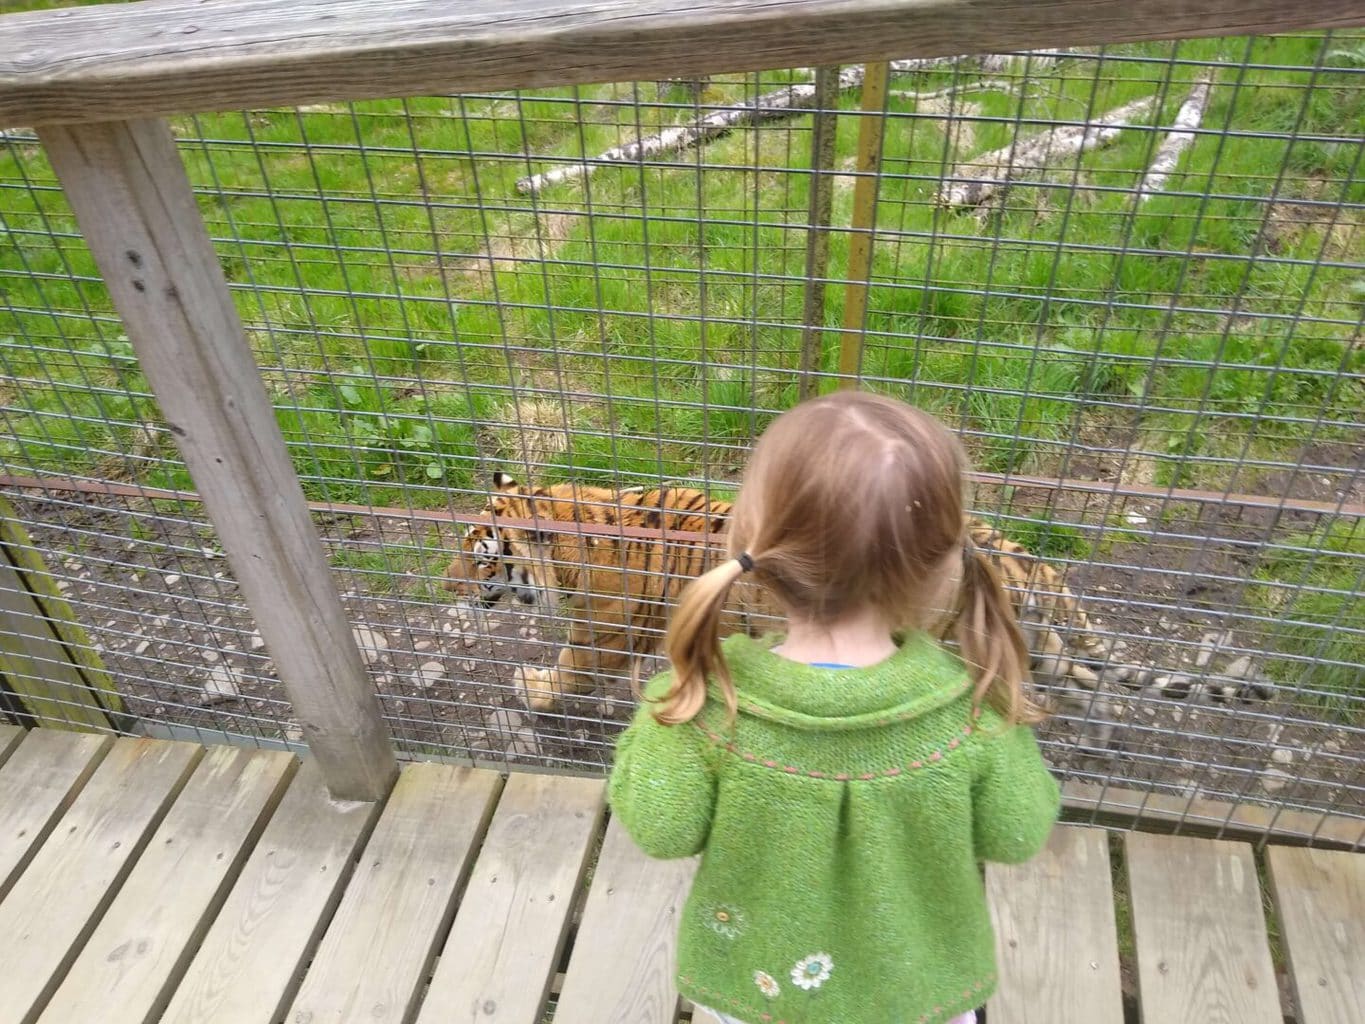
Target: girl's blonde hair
{"x":852,"y":502}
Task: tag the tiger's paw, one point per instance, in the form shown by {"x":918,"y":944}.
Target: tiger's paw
{"x":538,"y":688}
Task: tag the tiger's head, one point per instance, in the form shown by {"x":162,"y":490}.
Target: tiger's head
{"x":492,"y":563}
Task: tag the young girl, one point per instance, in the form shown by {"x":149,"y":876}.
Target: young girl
{"x":842,"y":783}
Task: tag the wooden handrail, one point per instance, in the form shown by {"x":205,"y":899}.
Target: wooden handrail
{"x":158,"y":57}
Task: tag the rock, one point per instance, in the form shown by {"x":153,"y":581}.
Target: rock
{"x":256,"y":642}
{"x":523,"y":741}
{"x":141,"y":648}
{"x":1274,"y":779}
{"x":453,"y":612}
{"x":429,"y":674}
{"x":172,"y":579}
{"x":1238,"y":668}
{"x":210,"y":656}
{"x":469,"y":641}
{"x":293,"y":733}
{"x":370,"y":643}
{"x":447,"y":627}
{"x":221,"y":686}
{"x":1136,"y":520}
{"x":505,"y":720}
{"x":1332,"y":747}
{"x":1273,"y":735}
{"x":423,"y":645}
{"x":1282,"y":755}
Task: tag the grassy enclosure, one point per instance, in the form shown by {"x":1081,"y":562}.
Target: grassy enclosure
{"x":421,"y":320}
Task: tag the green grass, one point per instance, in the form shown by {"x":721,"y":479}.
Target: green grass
{"x":648,"y":323}
{"x":357,"y":291}
{"x":1311,"y":587}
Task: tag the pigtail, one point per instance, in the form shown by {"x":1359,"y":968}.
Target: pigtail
{"x":693,"y":646}
{"x":991,"y":642}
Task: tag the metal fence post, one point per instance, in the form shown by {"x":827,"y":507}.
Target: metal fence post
{"x":870,"y":129}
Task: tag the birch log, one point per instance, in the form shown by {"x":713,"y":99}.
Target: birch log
{"x":971,"y":184}
{"x":789,"y":101}
{"x":1179,"y":139}
{"x":997,"y":84}
{"x":779,"y":103}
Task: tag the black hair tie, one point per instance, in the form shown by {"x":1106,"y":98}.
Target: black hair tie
{"x":745,"y":560}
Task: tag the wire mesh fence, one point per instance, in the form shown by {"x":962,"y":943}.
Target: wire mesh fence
{"x":1131,"y":277}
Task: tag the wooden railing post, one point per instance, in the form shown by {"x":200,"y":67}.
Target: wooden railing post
{"x":133,"y":201}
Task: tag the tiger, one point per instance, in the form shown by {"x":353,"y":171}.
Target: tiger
{"x":615,"y":591}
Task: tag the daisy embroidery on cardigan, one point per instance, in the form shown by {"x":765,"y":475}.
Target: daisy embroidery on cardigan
{"x":726,"y":920}
{"x":813,"y":971}
{"x":767,"y":984}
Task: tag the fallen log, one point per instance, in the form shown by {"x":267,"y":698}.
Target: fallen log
{"x":784,"y":102}
{"x":789,"y":101}
{"x":998,"y":84}
{"x":1177,"y":140}
{"x":972,"y":183}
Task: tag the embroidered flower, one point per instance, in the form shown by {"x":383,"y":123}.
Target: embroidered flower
{"x":813,"y":971}
{"x":726,"y":920}
{"x":767,"y":984}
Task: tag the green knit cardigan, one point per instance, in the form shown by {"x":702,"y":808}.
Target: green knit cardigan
{"x":841,"y":821}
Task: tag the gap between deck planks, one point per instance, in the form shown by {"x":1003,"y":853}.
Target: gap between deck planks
{"x":522,"y":892}
{"x":1055,"y":935}
{"x":1320,"y":897}
{"x":139,"y":950}
{"x":250,"y":963}
{"x":1203,"y":954}
{"x":38,"y":781}
{"x":58,"y":899}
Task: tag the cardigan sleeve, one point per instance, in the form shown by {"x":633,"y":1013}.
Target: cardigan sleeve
{"x":1015,"y":798}
{"x":663,"y":784}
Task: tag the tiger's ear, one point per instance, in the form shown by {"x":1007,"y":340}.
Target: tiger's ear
{"x":504,"y":481}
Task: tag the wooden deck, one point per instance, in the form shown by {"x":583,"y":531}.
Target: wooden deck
{"x":146,"y":880}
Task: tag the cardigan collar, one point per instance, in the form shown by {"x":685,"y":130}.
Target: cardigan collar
{"x":920,"y":677}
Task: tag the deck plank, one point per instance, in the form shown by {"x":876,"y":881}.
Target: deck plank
{"x":1320,"y":896}
{"x":1056,"y":938}
{"x":500,"y":959}
{"x":37,"y":784}
{"x":250,"y":963}
{"x":60,"y":896}
{"x":378,"y":949}
{"x":1202,"y":951}
{"x":139,"y":950}
{"x":621,"y":970}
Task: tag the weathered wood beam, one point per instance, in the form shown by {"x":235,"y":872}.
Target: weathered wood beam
{"x":133,"y":202}
{"x":125,"y":61}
